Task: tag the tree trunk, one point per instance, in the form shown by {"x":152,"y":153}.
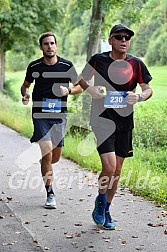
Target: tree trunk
{"x":95,"y":29}
{"x":2,"y":69}
{"x":93,"y":47}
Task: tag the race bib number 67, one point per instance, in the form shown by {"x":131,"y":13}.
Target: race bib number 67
{"x":51,"y":105}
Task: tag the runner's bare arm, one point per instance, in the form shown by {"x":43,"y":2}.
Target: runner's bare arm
{"x":76,"y":89}
{"x":146,"y":93}
{"x":25,"y":92}
{"x":94,"y":91}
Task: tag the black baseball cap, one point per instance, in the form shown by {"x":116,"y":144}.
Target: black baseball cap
{"x":121,"y":27}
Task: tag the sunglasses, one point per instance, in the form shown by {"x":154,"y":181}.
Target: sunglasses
{"x":120,"y":37}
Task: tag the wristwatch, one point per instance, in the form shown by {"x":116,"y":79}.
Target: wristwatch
{"x":140,"y":97}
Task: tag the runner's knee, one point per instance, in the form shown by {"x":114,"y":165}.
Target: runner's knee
{"x":55,"y":159}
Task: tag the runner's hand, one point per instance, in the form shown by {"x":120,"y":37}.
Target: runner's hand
{"x":25,"y":99}
{"x":95,"y":92}
{"x":64,"y":91}
{"x":132,"y":98}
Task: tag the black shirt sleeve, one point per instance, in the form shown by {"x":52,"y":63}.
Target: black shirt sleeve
{"x":144,"y":75}
{"x":29,"y":74}
{"x":89,"y":68}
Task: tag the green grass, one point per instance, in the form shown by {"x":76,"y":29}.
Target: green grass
{"x":82,"y":151}
{"x":158,"y":83}
{"x":15,"y":80}
{"x":16,"y":116}
{"x":145,"y":173}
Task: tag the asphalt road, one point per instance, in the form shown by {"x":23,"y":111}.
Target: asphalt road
{"x":25,"y":226}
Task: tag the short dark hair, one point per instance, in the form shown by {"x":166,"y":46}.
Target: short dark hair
{"x":46,"y":34}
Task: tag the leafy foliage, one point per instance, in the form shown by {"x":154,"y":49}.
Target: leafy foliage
{"x":157,"y":49}
{"x":150,"y":39}
{"x":151,"y":126}
{"x":4,"y":4}
{"x":22,"y":23}
{"x":85,"y":5}
{"x":72,"y":31}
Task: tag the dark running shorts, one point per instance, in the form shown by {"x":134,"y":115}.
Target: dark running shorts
{"x":49,"y":130}
{"x":119,"y":142}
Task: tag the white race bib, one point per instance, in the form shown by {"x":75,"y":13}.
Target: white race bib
{"x":51,"y":105}
{"x":115,"y":99}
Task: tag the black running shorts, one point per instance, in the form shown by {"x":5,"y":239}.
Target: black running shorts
{"x":119,"y":142}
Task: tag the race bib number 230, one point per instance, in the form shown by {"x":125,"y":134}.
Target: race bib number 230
{"x":115,"y":99}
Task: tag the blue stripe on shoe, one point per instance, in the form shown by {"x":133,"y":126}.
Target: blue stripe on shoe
{"x":109,"y":224}
{"x":98,"y":213}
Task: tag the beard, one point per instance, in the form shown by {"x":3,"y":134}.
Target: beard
{"x":49,"y":56}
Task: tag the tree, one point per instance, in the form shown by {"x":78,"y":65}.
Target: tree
{"x":157,"y":49}
{"x":73,"y":30}
{"x":21,"y":24}
{"x":95,"y":28}
{"x":3,"y":6}
{"x":102,"y":13}
{"x":152,"y":26}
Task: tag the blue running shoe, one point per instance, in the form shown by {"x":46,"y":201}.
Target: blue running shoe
{"x":109,"y":223}
{"x":98,"y":213}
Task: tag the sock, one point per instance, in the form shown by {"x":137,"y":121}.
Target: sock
{"x":102,"y":197}
{"x":49,"y":189}
{"x":107,"y":206}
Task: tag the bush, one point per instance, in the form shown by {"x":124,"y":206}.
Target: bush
{"x":151,"y":125}
{"x":9,"y":91}
{"x":16,"y":61}
{"x":140,"y":41}
{"x":157,"y":50}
